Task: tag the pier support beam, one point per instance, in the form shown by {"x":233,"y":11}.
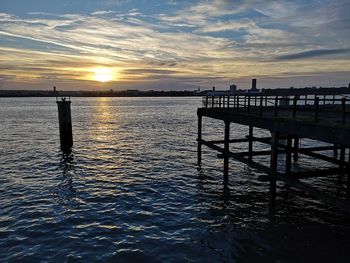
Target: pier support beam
{"x":199,"y":147}
{"x":342,"y":160}
{"x":226,"y":149}
{"x":296,"y":149}
{"x":250,"y":142}
{"x":348,"y":177}
{"x":65,"y":123}
{"x":273,"y":165}
{"x":335,"y":150}
{"x":289,"y":155}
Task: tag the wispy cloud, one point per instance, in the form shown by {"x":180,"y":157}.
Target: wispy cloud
{"x":313,"y":53}
{"x":102,"y":12}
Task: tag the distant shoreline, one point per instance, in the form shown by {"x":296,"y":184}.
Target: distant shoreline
{"x":124,"y":93}
{"x":172,"y":93}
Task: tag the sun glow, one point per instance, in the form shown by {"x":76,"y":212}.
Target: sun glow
{"x":103,"y":74}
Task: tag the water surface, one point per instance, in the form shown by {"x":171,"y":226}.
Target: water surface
{"x":131,"y":190}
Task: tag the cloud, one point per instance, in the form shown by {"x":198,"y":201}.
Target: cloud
{"x":228,"y":26}
{"x":114,"y":2}
{"x":313,"y":53}
{"x":102,"y":12}
{"x":201,"y":12}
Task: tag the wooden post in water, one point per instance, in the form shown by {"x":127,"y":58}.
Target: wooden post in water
{"x":65,"y":123}
{"x":343,"y":111}
{"x":296,"y":149}
{"x":348,"y":177}
{"x":199,"y":147}
{"x":250,"y":142}
{"x":226,"y":149}
{"x":273,"y":165}
{"x":289,"y":155}
{"x":316,"y":108}
{"x":342,"y":160}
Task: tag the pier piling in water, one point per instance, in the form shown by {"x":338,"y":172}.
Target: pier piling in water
{"x":226,"y":149}
{"x":273,"y":165}
{"x":65,"y":122}
{"x":199,"y":149}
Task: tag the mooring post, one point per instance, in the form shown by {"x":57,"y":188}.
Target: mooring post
{"x":199,"y":140}
{"x":250,"y":142}
{"x":273,"y":165}
{"x":296,"y":149}
{"x":289,"y":154}
{"x":226,"y":149}
{"x":65,"y":123}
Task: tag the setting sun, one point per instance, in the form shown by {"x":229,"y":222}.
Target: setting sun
{"x":103,"y":74}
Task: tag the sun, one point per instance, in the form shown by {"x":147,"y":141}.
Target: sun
{"x":103,"y":74}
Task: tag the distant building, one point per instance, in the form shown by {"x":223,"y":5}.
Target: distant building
{"x":254,"y":89}
{"x":233,"y":88}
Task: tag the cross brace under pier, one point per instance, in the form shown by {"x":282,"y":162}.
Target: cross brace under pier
{"x":290,"y":178}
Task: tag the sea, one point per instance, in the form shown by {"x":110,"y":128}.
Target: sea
{"x":131,"y":190}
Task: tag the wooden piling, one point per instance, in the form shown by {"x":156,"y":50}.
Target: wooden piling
{"x":348,"y":177}
{"x":289,"y":155}
{"x":296,"y":149}
{"x":199,"y":140}
{"x":65,"y":123}
{"x":226,"y":149}
{"x":273,"y":165}
{"x":342,"y":160}
{"x":250,"y":142}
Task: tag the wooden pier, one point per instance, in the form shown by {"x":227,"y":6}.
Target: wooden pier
{"x":289,"y":115}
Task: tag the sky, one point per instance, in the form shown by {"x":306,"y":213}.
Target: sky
{"x":173,"y":44}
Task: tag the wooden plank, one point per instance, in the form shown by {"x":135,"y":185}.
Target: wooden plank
{"x":328,"y":131}
{"x":315,"y":173}
{"x":230,"y":141}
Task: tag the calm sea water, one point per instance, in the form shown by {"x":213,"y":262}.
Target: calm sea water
{"x":131,"y":191}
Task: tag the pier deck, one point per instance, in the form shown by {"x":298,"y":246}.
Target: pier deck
{"x":290,"y":115}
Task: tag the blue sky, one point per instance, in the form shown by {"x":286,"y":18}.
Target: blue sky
{"x":125,"y":44}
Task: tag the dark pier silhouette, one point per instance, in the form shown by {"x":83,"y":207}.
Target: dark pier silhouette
{"x":289,"y":115}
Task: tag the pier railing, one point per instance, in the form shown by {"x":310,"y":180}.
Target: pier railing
{"x":311,"y":106}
